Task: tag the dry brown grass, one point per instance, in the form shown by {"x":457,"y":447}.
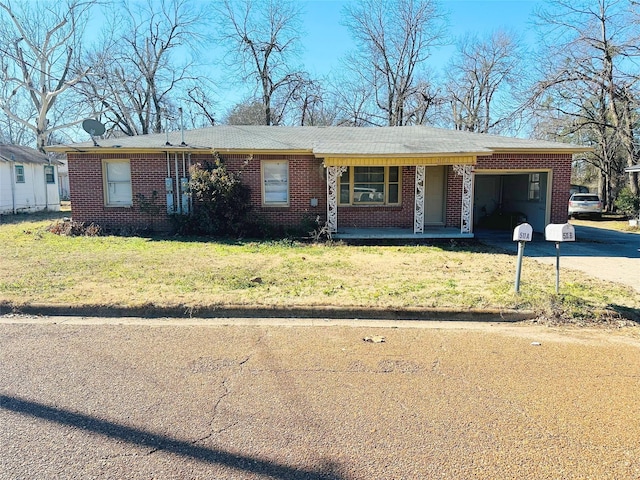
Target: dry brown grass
{"x":37,"y":267}
{"x":608,"y":222}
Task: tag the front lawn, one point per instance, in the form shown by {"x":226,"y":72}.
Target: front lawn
{"x":608,"y":222}
{"x":38,"y":267}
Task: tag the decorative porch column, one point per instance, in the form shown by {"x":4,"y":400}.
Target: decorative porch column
{"x":466,"y":221}
{"x":418,"y":215}
{"x":332,"y":196}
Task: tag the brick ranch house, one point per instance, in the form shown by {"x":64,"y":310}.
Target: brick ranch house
{"x":417,"y":181}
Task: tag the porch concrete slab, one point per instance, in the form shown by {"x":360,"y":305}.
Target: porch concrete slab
{"x":399,"y":234}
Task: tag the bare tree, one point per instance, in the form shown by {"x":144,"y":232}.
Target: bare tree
{"x":11,"y":130}
{"x":39,"y":43}
{"x":352,"y":99}
{"x":262,"y":37}
{"x":138,"y":76}
{"x":480,"y":78}
{"x":202,"y":111}
{"x":394,"y":38}
{"x":589,"y":76}
{"x":309,"y":104}
{"x":247,"y":112}
{"x":424,"y":104}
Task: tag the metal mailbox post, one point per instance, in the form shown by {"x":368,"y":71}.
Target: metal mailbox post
{"x":559,"y":232}
{"x":521,"y":234}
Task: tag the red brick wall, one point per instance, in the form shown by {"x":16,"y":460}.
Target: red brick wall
{"x":367,"y":216}
{"x":148,"y":172}
{"x":306,"y":181}
{"x":454,"y":198}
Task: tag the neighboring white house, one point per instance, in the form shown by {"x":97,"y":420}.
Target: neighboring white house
{"x":28,"y":180}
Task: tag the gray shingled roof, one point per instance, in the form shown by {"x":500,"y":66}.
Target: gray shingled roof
{"x":330,"y":141}
{"x":21,"y":154}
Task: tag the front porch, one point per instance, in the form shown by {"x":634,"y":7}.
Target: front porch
{"x":400,"y":234}
{"x":419,"y":230}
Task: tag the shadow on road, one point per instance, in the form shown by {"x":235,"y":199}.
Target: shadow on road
{"x":164,"y":443}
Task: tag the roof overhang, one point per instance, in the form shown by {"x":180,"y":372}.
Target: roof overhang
{"x":118,"y":149}
{"x":565,"y":151}
{"x":387,"y":160}
{"x":246,"y":151}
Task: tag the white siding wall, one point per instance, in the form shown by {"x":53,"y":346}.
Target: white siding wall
{"x":32,"y":195}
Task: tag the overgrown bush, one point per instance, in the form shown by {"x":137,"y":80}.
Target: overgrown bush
{"x":69,"y":228}
{"x":221,"y":203}
{"x":628,"y":203}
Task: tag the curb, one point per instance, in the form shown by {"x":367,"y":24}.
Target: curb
{"x":233,"y":311}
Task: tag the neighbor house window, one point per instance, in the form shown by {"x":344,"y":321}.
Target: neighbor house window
{"x":370,"y":186}
{"x":534,"y":186}
{"x":49,"y":174}
{"x":117,"y":180}
{"x":19,"y":174}
{"x":275,"y":182}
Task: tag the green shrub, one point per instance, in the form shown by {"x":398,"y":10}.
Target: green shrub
{"x":628,"y":203}
{"x":221,"y":202}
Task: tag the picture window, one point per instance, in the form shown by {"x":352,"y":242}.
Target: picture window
{"x":370,"y":186}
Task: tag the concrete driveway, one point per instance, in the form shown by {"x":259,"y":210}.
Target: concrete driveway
{"x":605,"y":254}
{"x":180,"y":399}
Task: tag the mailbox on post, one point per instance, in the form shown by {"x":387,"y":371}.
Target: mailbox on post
{"x":559,"y":232}
{"x":521,"y":234}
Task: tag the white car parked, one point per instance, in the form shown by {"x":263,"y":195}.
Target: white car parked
{"x":587,"y":204}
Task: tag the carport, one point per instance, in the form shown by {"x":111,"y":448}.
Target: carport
{"x":503,"y":199}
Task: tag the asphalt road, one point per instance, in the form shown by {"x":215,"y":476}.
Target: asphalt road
{"x":181,"y":399}
{"x":600,"y":253}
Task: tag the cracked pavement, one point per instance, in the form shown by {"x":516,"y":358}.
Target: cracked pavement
{"x":190,"y":399}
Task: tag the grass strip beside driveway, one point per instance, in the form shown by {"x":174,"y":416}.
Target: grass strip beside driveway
{"x":38,"y":267}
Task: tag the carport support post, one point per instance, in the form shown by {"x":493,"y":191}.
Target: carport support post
{"x":519,"y":264}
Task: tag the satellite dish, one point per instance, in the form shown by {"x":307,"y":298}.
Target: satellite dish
{"x":93,"y":128}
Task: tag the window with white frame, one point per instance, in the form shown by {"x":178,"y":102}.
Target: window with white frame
{"x":534,"y":186}
{"x":117,"y":183}
{"x":19,"y":173}
{"x":49,"y":174}
{"x":370,"y":186}
{"x":275,"y":182}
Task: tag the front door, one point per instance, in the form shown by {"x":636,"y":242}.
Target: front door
{"x":434,"y":196}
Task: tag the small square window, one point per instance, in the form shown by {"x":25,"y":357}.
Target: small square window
{"x":19,"y":174}
{"x":49,"y":174}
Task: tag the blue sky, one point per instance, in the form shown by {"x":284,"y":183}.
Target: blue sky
{"x":326,"y":40}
